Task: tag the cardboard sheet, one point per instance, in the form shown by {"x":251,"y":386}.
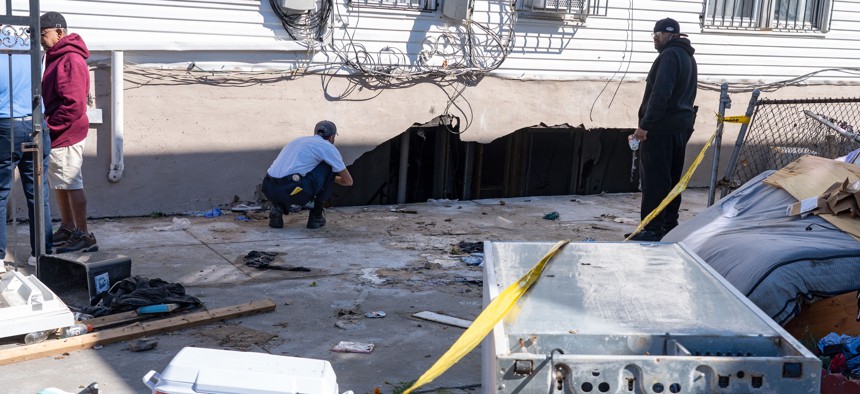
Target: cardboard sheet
{"x":811,"y":176}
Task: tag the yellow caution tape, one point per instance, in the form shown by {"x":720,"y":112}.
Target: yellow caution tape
{"x":680,"y":187}
{"x":297,"y":190}
{"x":484,"y":323}
{"x":737,"y":119}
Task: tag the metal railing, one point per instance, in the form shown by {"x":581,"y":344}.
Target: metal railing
{"x":782,"y":131}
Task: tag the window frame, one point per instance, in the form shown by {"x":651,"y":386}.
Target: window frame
{"x":763,"y":15}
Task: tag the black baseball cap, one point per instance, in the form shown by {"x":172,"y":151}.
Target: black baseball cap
{"x":52,"y":20}
{"x":668,"y":25}
{"x":325,"y":128}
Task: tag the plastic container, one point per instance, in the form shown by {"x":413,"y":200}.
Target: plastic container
{"x":75,"y":330}
{"x":37,"y":337}
{"x":199,"y":370}
{"x":28,"y":306}
{"x":634,"y":143}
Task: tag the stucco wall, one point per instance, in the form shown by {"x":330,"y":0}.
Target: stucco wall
{"x":195,"y":146}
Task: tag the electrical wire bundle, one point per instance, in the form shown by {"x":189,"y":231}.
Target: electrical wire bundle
{"x":300,"y":26}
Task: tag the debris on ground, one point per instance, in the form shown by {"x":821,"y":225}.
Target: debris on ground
{"x":465,"y":247}
{"x":551,"y":216}
{"x":137,"y":291}
{"x":504,"y":223}
{"x":474,"y":259}
{"x":246,"y":208}
{"x":178,"y":224}
{"x":263,"y":260}
{"x":142,"y":344}
{"x":352,"y":347}
{"x":374,"y":314}
{"x":440,"y":318}
{"x":400,"y":210}
{"x":243,"y":218}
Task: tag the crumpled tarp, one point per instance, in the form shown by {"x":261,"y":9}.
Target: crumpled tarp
{"x":137,"y":291}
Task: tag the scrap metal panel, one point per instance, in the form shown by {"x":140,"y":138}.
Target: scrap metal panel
{"x":633,"y":318}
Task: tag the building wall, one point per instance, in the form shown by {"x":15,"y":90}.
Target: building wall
{"x":213,"y":89}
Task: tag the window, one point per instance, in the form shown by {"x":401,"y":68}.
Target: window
{"x":786,"y":15}
{"x":566,"y":9}
{"x":418,"y":5}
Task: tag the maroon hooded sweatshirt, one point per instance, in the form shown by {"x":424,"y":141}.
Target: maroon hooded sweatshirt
{"x":65,"y":85}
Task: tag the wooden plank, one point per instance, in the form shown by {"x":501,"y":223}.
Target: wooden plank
{"x":439,"y":318}
{"x":58,"y":346}
{"x":115,"y":319}
{"x":835,"y":314}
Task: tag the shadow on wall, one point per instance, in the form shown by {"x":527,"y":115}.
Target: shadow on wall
{"x":537,"y":161}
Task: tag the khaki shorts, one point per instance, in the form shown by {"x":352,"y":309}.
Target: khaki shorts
{"x":64,"y":169}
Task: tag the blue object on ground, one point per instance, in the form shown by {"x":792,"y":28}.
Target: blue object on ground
{"x":551,"y":216}
{"x":474,"y":259}
{"x":243,"y":218}
{"x":214,"y":212}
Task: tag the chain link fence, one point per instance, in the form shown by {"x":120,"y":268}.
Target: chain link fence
{"x":780,"y":132}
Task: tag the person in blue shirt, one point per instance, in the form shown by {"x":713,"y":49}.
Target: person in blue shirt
{"x":305,"y":170}
{"x":16,"y":127}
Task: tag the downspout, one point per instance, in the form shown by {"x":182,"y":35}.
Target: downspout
{"x":116,"y":116}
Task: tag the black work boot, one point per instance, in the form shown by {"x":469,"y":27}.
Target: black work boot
{"x":276,"y":216}
{"x":316,"y":219}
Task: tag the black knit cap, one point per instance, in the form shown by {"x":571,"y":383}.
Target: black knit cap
{"x":668,"y":25}
{"x":52,"y":20}
{"x":325,"y":128}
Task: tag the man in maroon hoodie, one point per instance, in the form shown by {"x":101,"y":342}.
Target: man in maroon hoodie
{"x":65,"y":85}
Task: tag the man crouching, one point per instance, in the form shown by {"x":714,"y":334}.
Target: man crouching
{"x":306,"y":169}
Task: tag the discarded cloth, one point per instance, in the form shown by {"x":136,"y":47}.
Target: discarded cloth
{"x":137,"y":291}
{"x":474,"y":259}
{"x":850,"y":349}
{"x":262,"y":260}
{"x":471,"y":247}
{"x":177,"y":224}
{"x":551,"y":216}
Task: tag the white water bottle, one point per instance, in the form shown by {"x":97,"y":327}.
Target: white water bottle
{"x":634,"y":143}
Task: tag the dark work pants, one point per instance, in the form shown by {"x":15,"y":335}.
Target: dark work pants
{"x":661,"y":162}
{"x":316,"y":185}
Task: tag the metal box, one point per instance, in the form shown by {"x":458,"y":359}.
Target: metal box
{"x":457,"y":9}
{"x":81,"y":277}
{"x":632,"y":318}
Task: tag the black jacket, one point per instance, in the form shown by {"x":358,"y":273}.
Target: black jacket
{"x":670,"y":90}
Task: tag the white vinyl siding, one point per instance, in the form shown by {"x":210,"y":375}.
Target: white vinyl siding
{"x":246,"y":35}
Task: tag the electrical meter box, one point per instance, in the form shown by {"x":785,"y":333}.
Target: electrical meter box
{"x":632,"y":318}
{"x":457,"y":9}
{"x":298,"y":5}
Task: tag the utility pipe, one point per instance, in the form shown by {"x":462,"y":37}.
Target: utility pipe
{"x":725,"y":103}
{"x":404,"y":167}
{"x":116,"y":115}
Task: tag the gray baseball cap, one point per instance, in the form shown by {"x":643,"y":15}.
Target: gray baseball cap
{"x":325,"y":128}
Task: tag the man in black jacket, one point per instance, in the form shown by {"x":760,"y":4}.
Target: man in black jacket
{"x":666,"y":119}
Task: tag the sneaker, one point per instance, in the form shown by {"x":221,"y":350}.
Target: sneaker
{"x":646,"y":236}
{"x":31,"y":261}
{"x":276,"y":216}
{"x":316,"y":221}
{"x":80,"y":242}
{"x":62,"y":235}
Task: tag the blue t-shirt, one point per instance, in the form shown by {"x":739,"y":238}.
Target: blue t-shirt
{"x":21,"y":92}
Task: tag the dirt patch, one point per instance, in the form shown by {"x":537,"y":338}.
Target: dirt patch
{"x":237,"y":337}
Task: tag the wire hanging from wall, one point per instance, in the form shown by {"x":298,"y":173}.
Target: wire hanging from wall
{"x":305,"y":25}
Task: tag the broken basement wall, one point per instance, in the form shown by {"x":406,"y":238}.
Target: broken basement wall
{"x":195,"y":146}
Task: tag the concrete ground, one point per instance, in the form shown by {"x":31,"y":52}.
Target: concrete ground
{"x":366,"y":259}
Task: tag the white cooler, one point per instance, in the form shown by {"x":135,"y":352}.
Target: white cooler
{"x":211,"y":371}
